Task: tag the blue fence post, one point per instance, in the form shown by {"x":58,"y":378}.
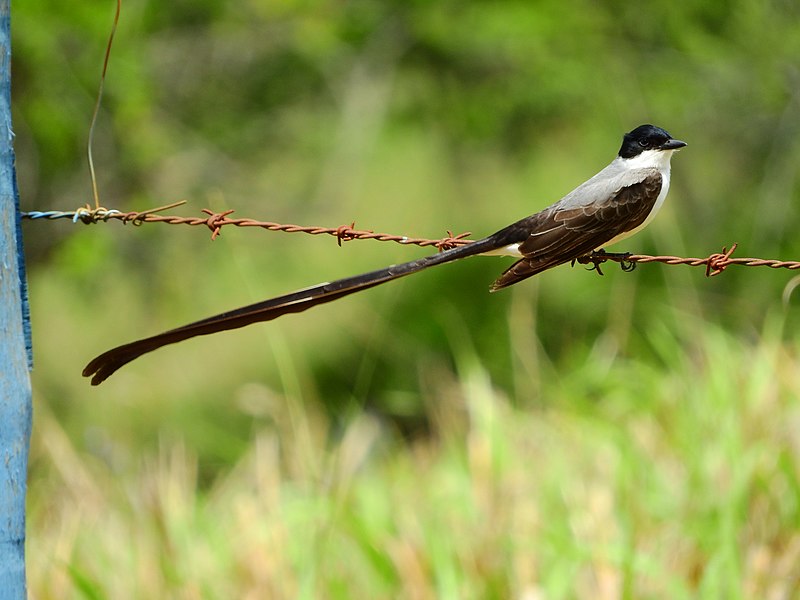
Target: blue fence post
{"x":15,"y":388}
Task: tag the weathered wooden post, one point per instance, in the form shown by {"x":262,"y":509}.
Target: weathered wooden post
{"x":15,"y":389}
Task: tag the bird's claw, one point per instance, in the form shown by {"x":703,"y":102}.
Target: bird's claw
{"x":596,"y":258}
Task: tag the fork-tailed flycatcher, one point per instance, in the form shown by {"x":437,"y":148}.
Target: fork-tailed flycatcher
{"x":614,"y":204}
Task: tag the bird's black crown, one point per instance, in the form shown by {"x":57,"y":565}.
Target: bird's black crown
{"x":644,"y":137}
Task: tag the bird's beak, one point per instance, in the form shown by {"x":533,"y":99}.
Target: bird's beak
{"x":673,"y":145}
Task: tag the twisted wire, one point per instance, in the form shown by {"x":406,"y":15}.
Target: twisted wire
{"x":715,"y":263}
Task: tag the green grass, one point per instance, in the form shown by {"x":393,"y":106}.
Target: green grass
{"x":680,"y":480}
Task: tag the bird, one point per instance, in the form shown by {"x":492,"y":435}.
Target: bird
{"x":614,"y":204}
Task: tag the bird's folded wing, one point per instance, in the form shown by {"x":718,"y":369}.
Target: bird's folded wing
{"x":570,"y":231}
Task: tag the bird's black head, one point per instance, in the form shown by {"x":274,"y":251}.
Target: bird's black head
{"x":647,"y":137}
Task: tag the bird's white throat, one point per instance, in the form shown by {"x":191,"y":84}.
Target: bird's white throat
{"x":649,"y":159}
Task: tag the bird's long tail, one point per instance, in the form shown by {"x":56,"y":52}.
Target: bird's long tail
{"x":100,"y":368}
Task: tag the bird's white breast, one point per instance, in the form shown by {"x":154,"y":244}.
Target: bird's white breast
{"x":649,"y":159}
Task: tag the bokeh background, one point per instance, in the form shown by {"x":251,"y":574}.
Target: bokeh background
{"x":634,"y":435}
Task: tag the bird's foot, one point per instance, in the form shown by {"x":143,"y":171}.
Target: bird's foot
{"x":598,"y":257}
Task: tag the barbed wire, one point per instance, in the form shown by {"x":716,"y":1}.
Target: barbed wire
{"x":216,"y":221}
{"x":715,"y":263}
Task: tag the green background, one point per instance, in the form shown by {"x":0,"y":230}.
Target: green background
{"x":575,"y":436}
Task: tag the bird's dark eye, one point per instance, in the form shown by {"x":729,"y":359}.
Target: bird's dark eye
{"x":644,"y":143}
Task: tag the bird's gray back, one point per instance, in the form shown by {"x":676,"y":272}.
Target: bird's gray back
{"x":603,"y":187}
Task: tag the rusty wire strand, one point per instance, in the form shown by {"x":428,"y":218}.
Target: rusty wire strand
{"x":90,"y":140}
{"x":715,"y":263}
{"x":216,"y":221}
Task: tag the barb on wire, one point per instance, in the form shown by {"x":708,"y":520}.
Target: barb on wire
{"x":715,"y":263}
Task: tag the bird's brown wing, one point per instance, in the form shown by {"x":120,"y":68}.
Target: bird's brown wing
{"x":561,"y":235}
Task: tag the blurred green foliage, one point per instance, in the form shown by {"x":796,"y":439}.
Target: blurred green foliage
{"x":410,"y":117}
{"x":683,"y":482}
